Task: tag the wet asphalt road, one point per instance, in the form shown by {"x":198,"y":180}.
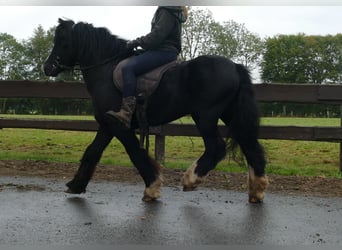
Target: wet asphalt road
{"x":35,"y":211}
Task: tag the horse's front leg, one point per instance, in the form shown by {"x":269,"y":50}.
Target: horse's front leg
{"x":148,"y":168}
{"x":89,"y":161}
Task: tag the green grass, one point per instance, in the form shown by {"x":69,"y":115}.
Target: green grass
{"x":297,"y":121}
{"x":284,"y":157}
{"x":57,"y":117}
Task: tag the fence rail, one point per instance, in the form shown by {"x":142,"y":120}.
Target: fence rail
{"x":297,"y":93}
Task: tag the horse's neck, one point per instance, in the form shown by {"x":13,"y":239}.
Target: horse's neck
{"x":89,"y":58}
{"x":93,"y":46}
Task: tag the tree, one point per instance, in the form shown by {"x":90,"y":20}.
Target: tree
{"x":202,"y":35}
{"x":338,"y":57}
{"x":324,"y":58}
{"x":11,"y":67}
{"x":197,"y":37}
{"x":283,"y":60}
{"x":38,"y":47}
{"x":235,"y":41}
{"x":11,"y":58}
{"x":302,"y":59}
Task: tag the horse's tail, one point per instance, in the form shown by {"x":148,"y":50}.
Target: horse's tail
{"x":244,"y":118}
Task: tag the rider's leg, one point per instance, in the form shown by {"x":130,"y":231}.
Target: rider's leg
{"x":134,"y":67}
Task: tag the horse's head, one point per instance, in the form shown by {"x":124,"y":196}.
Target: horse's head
{"x":63,"y":54}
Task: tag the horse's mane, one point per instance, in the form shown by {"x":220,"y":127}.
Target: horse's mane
{"x":98,"y":40}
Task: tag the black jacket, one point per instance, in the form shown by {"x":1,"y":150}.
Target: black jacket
{"x":166,"y":30}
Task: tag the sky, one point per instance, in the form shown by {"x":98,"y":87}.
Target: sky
{"x":130,"y":22}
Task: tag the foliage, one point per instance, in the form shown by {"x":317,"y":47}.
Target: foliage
{"x":197,"y":37}
{"x":235,"y":41}
{"x":12,"y":55}
{"x":38,"y":48}
{"x":302,"y":59}
{"x":203,"y":36}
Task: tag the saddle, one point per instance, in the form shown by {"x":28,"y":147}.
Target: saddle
{"x":146,"y":85}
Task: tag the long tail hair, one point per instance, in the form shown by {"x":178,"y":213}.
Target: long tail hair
{"x":244,"y":124}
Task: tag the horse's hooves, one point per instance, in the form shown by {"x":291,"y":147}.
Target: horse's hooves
{"x":152,"y":192}
{"x":148,"y":198}
{"x":70,"y":191}
{"x":254,"y":200}
{"x":188,"y":189}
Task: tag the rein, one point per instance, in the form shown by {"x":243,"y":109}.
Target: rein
{"x":66,"y":67}
{"x":105,"y":61}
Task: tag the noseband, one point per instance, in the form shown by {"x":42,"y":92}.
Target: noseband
{"x":56,"y":64}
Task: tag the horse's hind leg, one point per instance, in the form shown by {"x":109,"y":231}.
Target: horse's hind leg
{"x":255,"y":156}
{"x":149,"y":169}
{"x":257,"y":180}
{"x":89,"y":160}
{"x":215,"y":150}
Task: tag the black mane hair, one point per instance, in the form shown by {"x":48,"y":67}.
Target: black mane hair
{"x":95,"y":40}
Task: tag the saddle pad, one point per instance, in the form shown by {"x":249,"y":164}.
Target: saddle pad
{"x":147,"y":82}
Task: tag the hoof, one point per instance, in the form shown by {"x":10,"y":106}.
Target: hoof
{"x":152,"y":192}
{"x":73,"y":189}
{"x":70,"y":191}
{"x":190,"y":179}
{"x":255,"y":200}
{"x":257,"y":186}
{"x":148,"y":198}
{"x":189,"y":189}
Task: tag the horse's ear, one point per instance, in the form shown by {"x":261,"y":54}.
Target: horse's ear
{"x":65,"y":22}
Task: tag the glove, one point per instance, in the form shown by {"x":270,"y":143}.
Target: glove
{"x":131,"y":45}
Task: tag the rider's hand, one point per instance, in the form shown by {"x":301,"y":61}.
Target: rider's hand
{"x":131,"y":45}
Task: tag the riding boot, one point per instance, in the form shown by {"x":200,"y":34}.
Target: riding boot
{"x":124,"y":116}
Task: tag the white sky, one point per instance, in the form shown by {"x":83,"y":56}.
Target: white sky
{"x":132,"y":21}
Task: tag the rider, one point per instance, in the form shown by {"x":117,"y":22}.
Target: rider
{"x":161,"y":45}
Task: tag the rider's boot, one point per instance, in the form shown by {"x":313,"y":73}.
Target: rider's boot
{"x":124,"y":116}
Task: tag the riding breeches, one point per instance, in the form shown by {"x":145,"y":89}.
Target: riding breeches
{"x":141,"y":64}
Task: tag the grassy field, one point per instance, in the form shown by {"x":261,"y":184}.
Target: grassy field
{"x":284,"y":157}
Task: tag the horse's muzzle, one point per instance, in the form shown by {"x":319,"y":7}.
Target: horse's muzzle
{"x":51,"y":69}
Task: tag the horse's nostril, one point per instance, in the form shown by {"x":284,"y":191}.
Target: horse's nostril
{"x":49,"y":69}
{"x":46,"y":68}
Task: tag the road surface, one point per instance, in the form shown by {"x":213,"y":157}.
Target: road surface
{"x":35,"y":211}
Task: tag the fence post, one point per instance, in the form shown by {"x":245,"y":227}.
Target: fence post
{"x":159,"y":150}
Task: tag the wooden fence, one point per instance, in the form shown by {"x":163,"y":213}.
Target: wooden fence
{"x":297,"y":93}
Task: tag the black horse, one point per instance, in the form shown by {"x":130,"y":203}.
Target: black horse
{"x":208,"y":88}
